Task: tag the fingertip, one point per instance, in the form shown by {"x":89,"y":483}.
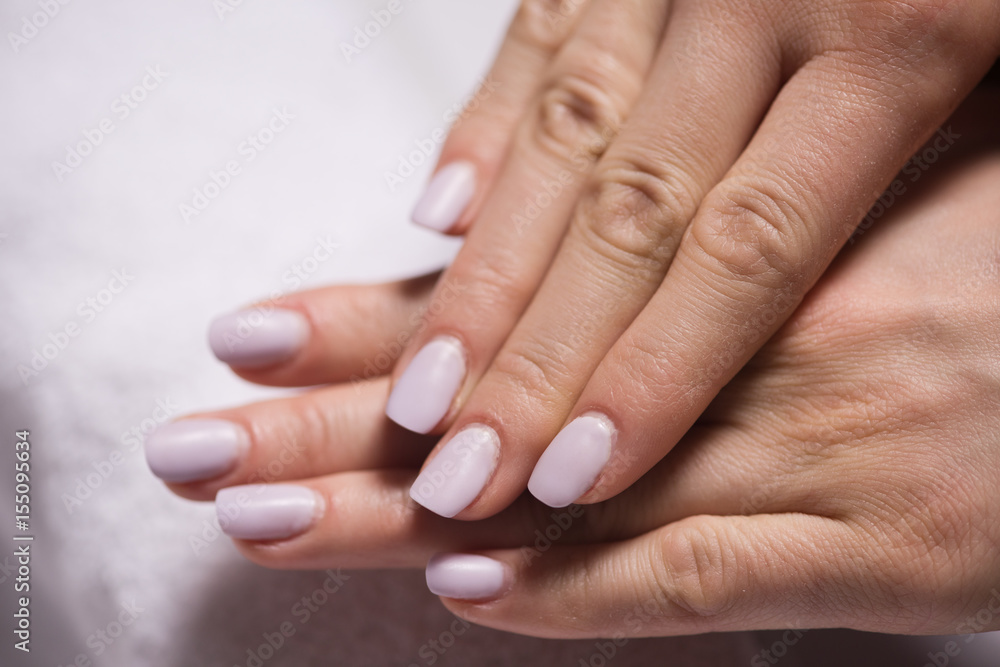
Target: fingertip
{"x":424,"y":393}
{"x":458,"y":472}
{"x":573,"y":461}
{"x":447,"y":197}
{"x":258,"y":337}
{"x":195,"y":450}
{"x":467,"y":577}
{"x":267,"y":512}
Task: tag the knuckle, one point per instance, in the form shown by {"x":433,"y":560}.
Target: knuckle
{"x":691,"y":574}
{"x":537,"y":371}
{"x":577,"y":117}
{"x":753,"y":234}
{"x":492,"y":279}
{"x":636,"y":215}
{"x":544,"y":23}
{"x":313,"y":423}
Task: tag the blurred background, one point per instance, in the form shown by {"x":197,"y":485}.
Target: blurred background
{"x":163,"y":163}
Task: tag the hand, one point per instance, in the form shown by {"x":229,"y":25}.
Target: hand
{"x":649,"y":192}
{"x":846,"y":477}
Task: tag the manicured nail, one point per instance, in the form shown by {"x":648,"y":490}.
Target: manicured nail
{"x":195,"y":449}
{"x":465,"y":576}
{"x":573,"y":460}
{"x":425,"y":390}
{"x":267,"y":511}
{"x":446,"y":197}
{"x":258,"y":337}
{"x":458,"y":473}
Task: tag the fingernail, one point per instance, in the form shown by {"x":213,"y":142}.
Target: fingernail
{"x":255,"y":338}
{"x":425,"y":390}
{"x":195,"y":449}
{"x":465,"y":576}
{"x":267,"y":511}
{"x":458,"y":473}
{"x":447,"y":196}
{"x":573,"y":460}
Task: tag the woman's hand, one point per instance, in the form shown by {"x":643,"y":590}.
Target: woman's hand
{"x":649,"y":191}
{"x":846,"y":477}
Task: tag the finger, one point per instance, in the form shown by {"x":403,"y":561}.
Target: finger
{"x":342,"y":428}
{"x":331,"y":334}
{"x":702,"y":574}
{"x":366,"y":519}
{"x":324,"y":431}
{"x":588,"y":92}
{"x":352,"y":520}
{"x":679,"y":142}
{"x":760,"y":240}
{"x":479,"y":139}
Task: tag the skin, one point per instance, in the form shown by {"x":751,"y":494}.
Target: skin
{"x":846,"y":477}
{"x":711,"y":159}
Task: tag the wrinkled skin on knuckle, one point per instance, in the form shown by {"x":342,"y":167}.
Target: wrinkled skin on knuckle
{"x":576,"y":120}
{"x":753,"y":235}
{"x":493,"y":279}
{"x":545,"y":23}
{"x":691,"y":574}
{"x":538,"y":372}
{"x":587,"y":98}
{"x":635,"y":215}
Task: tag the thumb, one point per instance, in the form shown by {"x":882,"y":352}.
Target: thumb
{"x":701,"y":574}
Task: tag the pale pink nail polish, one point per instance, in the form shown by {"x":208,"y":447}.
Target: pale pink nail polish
{"x":258,"y":337}
{"x":458,"y":472}
{"x":192,"y":450}
{"x":571,"y":463}
{"x":267,"y":511}
{"x":465,"y":576}
{"x":447,"y":196}
{"x":426,"y":389}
